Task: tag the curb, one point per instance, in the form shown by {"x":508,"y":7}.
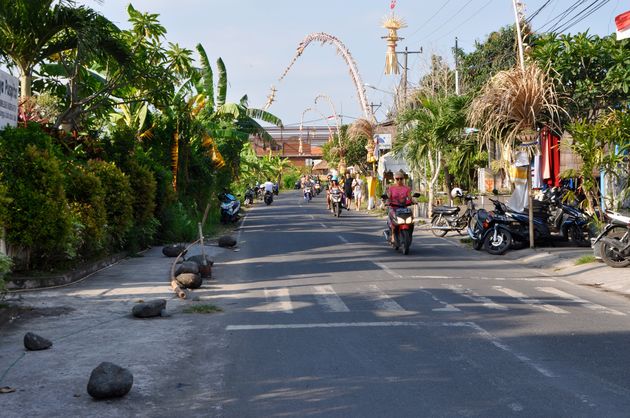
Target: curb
{"x":26,"y":283}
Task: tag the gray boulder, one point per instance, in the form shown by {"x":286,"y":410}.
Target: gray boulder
{"x":189,"y":280}
{"x":199,"y":259}
{"x":36,"y":342}
{"x":109,"y":381}
{"x":173,"y":250}
{"x":149,"y":309}
{"x":187,"y":267}
{"x":227,"y":241}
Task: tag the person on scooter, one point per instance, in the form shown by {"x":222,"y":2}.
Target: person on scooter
{"x":327,"y":187}
{"x":398,"y":195}
{"x":268,"y":186}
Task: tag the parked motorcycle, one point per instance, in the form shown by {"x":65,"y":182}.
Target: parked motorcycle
{"x":401,"y":222}
{"x":268,"y":198}
{"x":230,"y":207}
{"x":447,"y":218}
{"x":336,"y":199}
{"x":615,"y":240}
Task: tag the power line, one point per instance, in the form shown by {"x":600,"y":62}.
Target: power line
{"x":537,"y":11}
{"x":469,"y":18}
{"x":431,"y":18}
{"x":456,"y":13}
{"x":561,"y":16}
{"x":577,"y":19}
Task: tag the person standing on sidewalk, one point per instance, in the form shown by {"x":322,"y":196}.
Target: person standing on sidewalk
{"x":347,"y":189}
{"x":357,"y":190}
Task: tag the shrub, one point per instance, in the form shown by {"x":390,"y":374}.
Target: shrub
{"x":144,"y":187}
{"x":118,"y":201}
{"x":5,"y":267}
{"x":86,"y":197}
{"x":178,"y":225}
{"x":38,"y":220}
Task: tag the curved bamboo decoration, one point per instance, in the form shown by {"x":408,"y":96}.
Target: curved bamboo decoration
{"x":325,"y":38}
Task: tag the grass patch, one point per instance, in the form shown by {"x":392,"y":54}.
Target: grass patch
{"x":585,"y":259}
{"x":203,"y":309}
{"x":466,"y":241}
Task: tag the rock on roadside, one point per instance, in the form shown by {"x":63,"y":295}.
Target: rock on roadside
{"x":109,"y":381}
{"x":187,"y":267}
{"x":189,"y":280}
{"x":227,"y":241}
{"x":173,"y":250}
{"x":36,"y":342}
{"x":149,"y":309}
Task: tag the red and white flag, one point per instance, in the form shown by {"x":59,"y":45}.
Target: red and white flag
{"x":623,"y":26}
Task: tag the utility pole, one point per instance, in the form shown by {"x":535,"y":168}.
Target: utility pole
{"x":406,"y":52}
{"x":456,"y":69}
{"x":375,"y":106}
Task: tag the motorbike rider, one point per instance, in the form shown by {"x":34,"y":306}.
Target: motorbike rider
{"x":334,"y":185}
{"x":268,"y":186}
{"x":398,"y":195}
{"x":327,"y":187}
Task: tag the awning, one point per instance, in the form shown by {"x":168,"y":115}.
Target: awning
{"x":388,"y":162}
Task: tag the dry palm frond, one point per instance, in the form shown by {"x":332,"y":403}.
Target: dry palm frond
{"x":360,"y":128}
{"x":514,"y":101}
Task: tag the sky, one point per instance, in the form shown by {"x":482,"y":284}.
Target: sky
{"x":257,"y":39}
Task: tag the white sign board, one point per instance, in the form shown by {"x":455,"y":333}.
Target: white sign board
{"x":9,"y":92}
{"x":384,"y":141}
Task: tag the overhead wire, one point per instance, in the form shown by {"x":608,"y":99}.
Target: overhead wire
{"x":468,"y":19}
{"x":562,"y":15}
{"x":431,"y":18}
{"x":442,"y":25}
{"x":594,"y":6}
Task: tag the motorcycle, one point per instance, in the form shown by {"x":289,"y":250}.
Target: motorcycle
{"x":401,"y":222}
{"x":230,"y":207}
{"x":336,"y":199}
{"x":572,"y":223}
{"x":308,"y":193}
{"x":615,"y":240}
{"x":268,"y":198}
{"x":318,"y":188}
{"x":447,"y":218}
{"x":276,"y":189}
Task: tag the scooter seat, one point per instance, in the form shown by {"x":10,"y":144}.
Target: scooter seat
{"x":446,"y":210}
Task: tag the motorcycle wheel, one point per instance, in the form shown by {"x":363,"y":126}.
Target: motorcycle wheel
{"x":334,"y":209}
{"x":338,"y":211}
{"x":577,"y":236}
{"x":439,"y":222}
{"x":477,"y":244}
{"x":610,"y":255}
{"x":406,"y":240}
{"x":499,"y":245}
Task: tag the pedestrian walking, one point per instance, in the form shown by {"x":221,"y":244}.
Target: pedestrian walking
{"x":357,"y":190}
{"x":347,"y":189}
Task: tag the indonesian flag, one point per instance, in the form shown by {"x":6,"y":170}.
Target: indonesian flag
{"x":623,"y":26}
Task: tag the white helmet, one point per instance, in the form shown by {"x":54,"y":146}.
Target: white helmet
{"x":456,"y":192}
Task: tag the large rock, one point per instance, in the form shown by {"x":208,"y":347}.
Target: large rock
{"x":187,"y":267}
{"x":199,"y":259}
{"x":173,"y":250}
{"x":149,"y":309}
{"x":36,"y":342}
{"x":227,"y":241}
{"x":189,"y":280}
{"x":109,"y":381}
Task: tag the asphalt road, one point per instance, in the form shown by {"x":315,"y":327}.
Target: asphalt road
{"x":321,"y":318}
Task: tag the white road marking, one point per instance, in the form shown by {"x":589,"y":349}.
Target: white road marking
{"x":327,"y":297}
{"x":343,"y":239}
{"x":467,"y":293}
{"x":499,"y":279}
{"x":530,"y":301}
{"x":590,"y":305}
{"x":387,"y":270}
{"x":384,"y":302}
{"x":312,"y":217}
{"x":499,"y":344}
{"x":323,"y":325}
{"x":323,"y":225}
{"x":279,"y":300}
{"x":485,"y":334}
{"x":446,"y":307}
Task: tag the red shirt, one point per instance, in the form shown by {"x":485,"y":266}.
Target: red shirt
{"x":399,"y":195}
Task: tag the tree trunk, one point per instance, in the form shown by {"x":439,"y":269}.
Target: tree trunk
{"x":26,"y":81}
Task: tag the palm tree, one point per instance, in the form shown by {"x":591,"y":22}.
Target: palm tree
{"x":427,"y":128}
{"x":33,"y":30}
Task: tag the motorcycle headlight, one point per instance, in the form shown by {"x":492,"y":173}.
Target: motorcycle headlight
{"x":400,"y":220}
{"x":410,"y":220}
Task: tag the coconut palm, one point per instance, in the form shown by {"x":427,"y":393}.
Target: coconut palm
{"x":427,"y":128}
{"x":34,"y":30}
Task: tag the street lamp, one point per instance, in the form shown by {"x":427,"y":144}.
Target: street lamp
{"x":377,"y":89}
